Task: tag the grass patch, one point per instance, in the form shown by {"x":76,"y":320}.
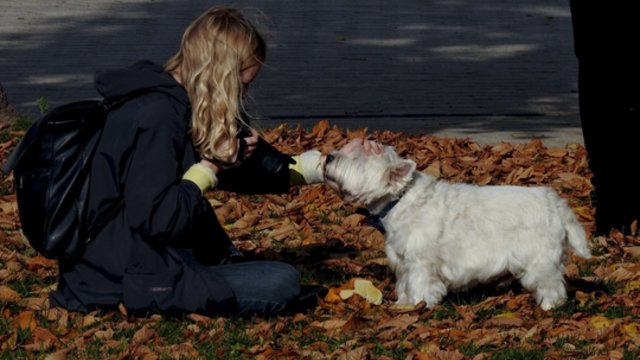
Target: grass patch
{"x":518,"y":354}
{"x":472,"y":350}
{"x":396,"y":352}
{"x":172,"y":331}
{"x":631,"y":354}
{"x":30,"y":284}
{"x":489,"y":312}
{"x":562,"y":342}
{"x":445,"y":311}
{"x":234,"y":340}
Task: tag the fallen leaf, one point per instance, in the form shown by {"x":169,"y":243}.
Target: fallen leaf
{"x":143,"y":335}
{"x":40,"y":261}
{"x":123,"y":310}
{"x":599,"y":322}
{"x":8,"y":295}
{"x":347,"y":293}
{"x":630,"y":329}
{"x":104,"y":334}
{"x":25,"y":320}
{"x":43,"y":340}
{"x":366,"y":289}
{"x":331,"y":324}
{"x":400,"y":323}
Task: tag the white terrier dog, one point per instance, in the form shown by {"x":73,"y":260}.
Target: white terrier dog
{"x":446,"y":237}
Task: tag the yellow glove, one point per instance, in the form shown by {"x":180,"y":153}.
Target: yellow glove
{"x":307,"y":169}
{"x":202,"y":176}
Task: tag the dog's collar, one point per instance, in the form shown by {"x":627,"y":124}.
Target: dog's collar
{"x":375,"y":220}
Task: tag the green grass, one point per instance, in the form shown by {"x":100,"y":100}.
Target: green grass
{"x":631,"y":355}
{"x":43,"y":105}
{"x":489,"y":312}
{"x":445,"y":311}
{"x":30,"y":284}
{"x":471,"y":350}
{"x":518,"y":354}
{"x":171,"y":330}
{"x":579,"y":344}
{"x":231,"y":344}
{"x":21,"y":123}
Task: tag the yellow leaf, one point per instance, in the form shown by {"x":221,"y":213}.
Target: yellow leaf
{"x":506,"y":315}
{"x":345,"y":294}
{"x":599,"y":322}
{"x":434,"y":169}
{"x":215,"y":203}
{"x":89,"y":320}
{"x":630,"y":286}
{"x":366,"y":289}
{"x":631,"y":329}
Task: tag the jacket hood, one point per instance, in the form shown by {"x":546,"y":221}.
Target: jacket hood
{"x":115,"y":83}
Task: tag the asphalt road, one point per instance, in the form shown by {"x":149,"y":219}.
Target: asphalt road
{"x":491,"y":70}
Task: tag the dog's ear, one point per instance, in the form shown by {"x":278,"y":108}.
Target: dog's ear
{"x":401,"y":172}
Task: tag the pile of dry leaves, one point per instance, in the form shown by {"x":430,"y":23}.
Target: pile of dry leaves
{"x":313,"y":229}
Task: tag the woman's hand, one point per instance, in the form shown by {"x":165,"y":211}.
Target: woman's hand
{"x":245,"y":147}
{"x":251,"y":143}
{"x":211,"y":165}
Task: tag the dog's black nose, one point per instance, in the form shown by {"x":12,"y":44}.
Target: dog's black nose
{"x":329,"y":158}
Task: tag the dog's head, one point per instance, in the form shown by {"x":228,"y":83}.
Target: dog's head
{"x":367,"y":178}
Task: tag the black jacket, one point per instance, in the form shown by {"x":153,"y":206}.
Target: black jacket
{"x":143,"y":153}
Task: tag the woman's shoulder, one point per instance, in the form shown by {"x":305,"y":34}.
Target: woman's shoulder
{"x":155,"y":108}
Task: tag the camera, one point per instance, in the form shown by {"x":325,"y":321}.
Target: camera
{"x":265,"y":158}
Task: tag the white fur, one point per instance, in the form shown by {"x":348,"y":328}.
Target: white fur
{"x":444,"y":237}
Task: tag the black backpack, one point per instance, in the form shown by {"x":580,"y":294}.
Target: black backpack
{"x":51,"y":167}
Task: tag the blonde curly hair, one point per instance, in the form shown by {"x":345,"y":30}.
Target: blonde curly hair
{"x":215,"y":49}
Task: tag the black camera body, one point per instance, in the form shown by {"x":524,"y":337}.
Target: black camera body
{"x":265,"y":158}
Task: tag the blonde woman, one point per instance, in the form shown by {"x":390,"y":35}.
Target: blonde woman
{"x":178,"y":133}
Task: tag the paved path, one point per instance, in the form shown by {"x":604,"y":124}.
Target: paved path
{"x":492,"y":70}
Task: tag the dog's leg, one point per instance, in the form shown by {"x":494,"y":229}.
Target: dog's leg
{"x":401,"y":285}
{"x":423,"y":285}
{"x":546,"y":281}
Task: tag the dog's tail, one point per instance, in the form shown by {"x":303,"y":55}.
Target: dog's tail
{"x":576,"y":235}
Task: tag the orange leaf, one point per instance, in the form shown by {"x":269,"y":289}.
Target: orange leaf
{"x":400,"y":322}
{"x":143,"y":335}
{"x":39,"y":261}
{"x":320,"y":128}
{"x":123,"y":310}
{"x":43,"y":340}
{"x":330,"y":324}
{"x":8,"y":295}
{"x":26,"y":320}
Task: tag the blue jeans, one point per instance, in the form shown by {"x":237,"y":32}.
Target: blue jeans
{"x":260,"y":287}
